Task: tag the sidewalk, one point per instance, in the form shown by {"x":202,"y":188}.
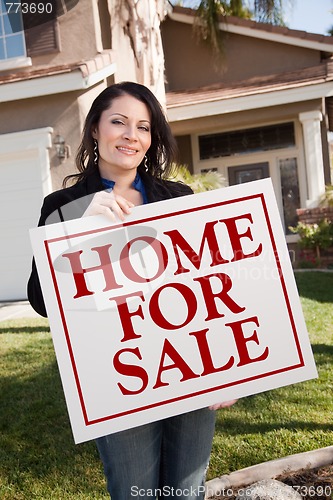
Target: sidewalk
{"x":22,"y":309}
{"x":13,"y":310}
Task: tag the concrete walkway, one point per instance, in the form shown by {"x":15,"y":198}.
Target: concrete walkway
{"x":22,"y":309}
{"x":14,"y":310}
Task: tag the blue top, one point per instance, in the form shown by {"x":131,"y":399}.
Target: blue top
{"x":137,"y":184}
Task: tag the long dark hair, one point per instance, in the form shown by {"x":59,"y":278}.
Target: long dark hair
{"x":162,"y":151}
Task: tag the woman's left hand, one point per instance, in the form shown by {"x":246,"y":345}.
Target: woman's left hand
{"x":225,"y":404}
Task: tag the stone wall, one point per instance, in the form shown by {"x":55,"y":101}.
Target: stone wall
{"x":304,"y":257}
{"x":314,"y":215}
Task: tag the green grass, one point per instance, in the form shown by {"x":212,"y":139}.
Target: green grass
{"x":39,"y":459}
{"x":291,"y":419}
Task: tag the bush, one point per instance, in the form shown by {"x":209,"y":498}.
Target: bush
{"x":315,"y":236}
{"x":205,"y":181}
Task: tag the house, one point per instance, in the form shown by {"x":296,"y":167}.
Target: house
{"x":267,"y":113}
{"x":51,"y":69}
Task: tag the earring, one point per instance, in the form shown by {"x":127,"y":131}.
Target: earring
{"x":146,"y":163}
{"x":96,"y":155}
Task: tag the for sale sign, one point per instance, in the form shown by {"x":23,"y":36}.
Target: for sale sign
{"x":187,"y":303}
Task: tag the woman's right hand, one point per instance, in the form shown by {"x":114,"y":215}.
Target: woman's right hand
{"x":112,"y":205}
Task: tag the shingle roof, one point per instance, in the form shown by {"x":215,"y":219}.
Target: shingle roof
{"x":86,"y":67}
{"x":309,"y":76}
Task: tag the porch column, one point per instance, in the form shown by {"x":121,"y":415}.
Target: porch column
{"x":313,"y":155}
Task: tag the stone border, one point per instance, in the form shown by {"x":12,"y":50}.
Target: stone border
{"x":269,"y":470}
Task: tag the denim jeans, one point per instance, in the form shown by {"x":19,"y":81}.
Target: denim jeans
{"x":164,"y":459}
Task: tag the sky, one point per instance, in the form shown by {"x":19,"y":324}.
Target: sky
{"x":314,"y":16}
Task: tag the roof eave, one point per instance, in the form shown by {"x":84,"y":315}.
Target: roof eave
{"x":236,"y":104}
{"x":65,"y":81}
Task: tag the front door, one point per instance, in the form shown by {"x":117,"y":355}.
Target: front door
{"x":247,"y":173}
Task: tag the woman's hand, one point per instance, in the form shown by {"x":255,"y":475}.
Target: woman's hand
{"x":225,"y":404}
{"x":107,"y":203}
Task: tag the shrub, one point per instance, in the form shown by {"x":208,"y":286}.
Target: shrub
{"x":205,"y":181}
{"x":314,"y":235}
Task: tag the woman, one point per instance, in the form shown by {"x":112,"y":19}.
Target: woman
{"x":124,"y":160}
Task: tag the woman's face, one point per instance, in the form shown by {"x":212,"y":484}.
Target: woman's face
{"x":123,"y":135}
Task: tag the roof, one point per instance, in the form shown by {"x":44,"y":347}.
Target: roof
{"x":49,"y":80}
{"x":284,"y":88}
{"x":261,"y":30}
{"x":86,"y":68}
{"x":321,"y":73}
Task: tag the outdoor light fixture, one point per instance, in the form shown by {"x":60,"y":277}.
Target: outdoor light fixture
{"x":62,"y":150}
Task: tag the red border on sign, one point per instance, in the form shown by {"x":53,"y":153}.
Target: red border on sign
{"x":47,"y":244}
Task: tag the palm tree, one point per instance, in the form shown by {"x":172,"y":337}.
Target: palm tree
{"x":269,"y":11}
{"x":205,"y":181}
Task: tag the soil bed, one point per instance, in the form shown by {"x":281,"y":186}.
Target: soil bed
{"x":311,"y":484}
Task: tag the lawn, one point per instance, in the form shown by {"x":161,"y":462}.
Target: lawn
{"x":39,"y":459}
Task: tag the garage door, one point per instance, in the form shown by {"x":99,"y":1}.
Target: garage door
{"x":24,"y":181}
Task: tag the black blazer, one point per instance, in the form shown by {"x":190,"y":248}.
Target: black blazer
{"x":71,"y":203}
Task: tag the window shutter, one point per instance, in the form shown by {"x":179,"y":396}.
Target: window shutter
{"x":42,"y":39}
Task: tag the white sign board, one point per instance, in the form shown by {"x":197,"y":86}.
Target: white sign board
{"x":189,"y":302}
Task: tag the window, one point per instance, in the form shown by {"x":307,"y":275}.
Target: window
{"x":247,"y":141}
{"x":248,"y":173}
{"x":41,"y":31}
{"x":24,"y":35}
{"x":290,"y":192}
{"x":12,"y":41}
{"x":42,"y":39}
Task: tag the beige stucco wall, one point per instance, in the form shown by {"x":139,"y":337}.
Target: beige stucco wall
{"x":191,"y":129}
{"x":137,"y":45}
{"x":65,"y":113}
{"x":84,"y":32}
{"x":243,"y":119}
{"x":78,"y":37}
{"x":190,"y":65}
{"x":123,"y":55}
{"x":309,"y":158}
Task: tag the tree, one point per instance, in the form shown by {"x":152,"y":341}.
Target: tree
{"x":204,"y":181}
{"x":269,"y":11}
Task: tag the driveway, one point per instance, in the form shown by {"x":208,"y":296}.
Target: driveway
{"x":13,"y":310}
